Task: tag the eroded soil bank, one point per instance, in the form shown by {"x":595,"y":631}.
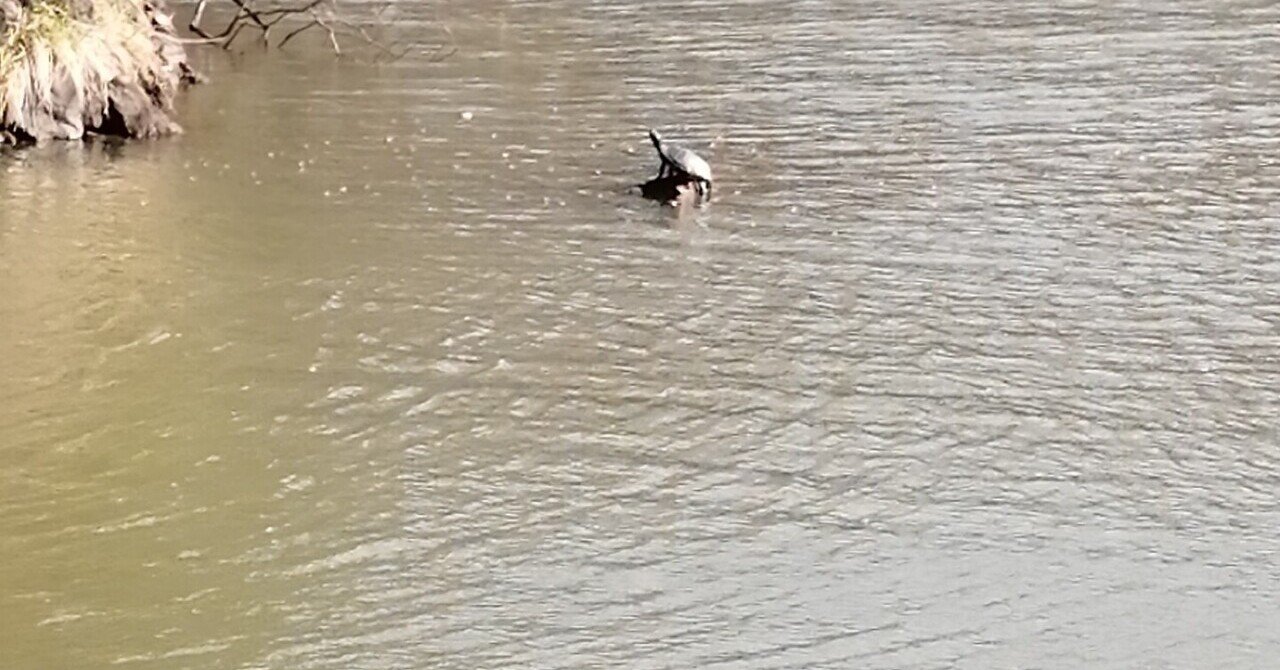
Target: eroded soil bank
{"x":74,"y":67}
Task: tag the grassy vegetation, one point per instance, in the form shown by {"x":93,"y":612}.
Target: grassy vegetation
{"x":102,"y":68}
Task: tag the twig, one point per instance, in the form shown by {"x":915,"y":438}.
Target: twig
{"x":291,"y":35}
{"x":333,"y":36}
{"x":194,"y":26}
{"x":252,"y":14}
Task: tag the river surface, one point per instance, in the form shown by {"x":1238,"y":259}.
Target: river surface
{"x":973,"y":362}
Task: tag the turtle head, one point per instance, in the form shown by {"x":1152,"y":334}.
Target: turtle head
{"x":655,"y":138}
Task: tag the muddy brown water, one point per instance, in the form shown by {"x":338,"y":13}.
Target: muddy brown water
{"x":973,"y":362}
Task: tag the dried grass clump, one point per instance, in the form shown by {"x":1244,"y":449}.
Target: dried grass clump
{"x":95,"y":66}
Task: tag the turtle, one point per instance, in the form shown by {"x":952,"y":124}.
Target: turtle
{"x":680,"y":160}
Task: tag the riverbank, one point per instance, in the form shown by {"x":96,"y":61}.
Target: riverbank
{"x":70,"y":68}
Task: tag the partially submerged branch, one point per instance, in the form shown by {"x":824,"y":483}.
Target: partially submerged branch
{"x":299,"y":17}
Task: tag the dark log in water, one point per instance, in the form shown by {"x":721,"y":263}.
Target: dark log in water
{"x":670,"y":189}
{"x":74,"y":67}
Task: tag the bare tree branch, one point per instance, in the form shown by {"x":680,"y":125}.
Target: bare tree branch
{"x":301,"y":16}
